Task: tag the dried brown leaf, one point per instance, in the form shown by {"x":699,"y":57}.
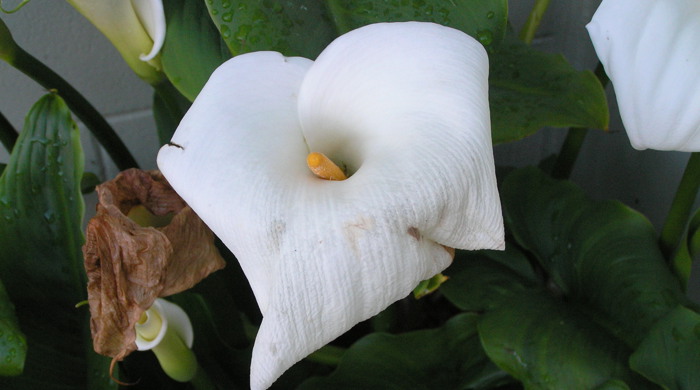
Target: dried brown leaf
{"x":129,"y":266}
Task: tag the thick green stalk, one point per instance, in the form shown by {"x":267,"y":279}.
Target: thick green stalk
{"x":8,"y":134}
{"x":175,"y":106}
{"x":570,"y":149}
{"x":527,"y":34}
{"x":87,"y":113}
{"x":566,"y":159}
{"x":42,"y":74}
{"x":679,"y":213}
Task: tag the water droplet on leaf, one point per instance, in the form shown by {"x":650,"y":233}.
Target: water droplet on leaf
{"x":485,"y":37}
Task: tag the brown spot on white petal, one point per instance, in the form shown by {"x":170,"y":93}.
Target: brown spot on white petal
{"x":414,"y":232}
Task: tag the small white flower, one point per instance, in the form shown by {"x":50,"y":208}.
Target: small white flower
{"x":650,"y":52}
{"x":166,"y":330}
{"x":404,"y":108}
{"x":135,"y":27}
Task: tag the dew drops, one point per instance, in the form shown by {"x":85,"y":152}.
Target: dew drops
{"x":490,"y":15}
{"x":485,"y":37}
{"x":242,"y":32}
{"x":227,"y":17}
{"x":225,"y":3}
{"x":49,"y":216}
{"x":225,"y":32}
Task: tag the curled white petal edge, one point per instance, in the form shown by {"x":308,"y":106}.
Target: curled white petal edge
{"x":172,"y":316}
{"x":152,"y":17}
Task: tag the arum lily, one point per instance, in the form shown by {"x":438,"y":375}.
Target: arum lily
{"x":143,"y":243}
{"x":401,"y":110}
{"x":166,"y":329}
{"x":649,"y":50}
{"x":135,"y":27}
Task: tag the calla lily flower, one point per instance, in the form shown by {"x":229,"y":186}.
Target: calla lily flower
{"x":402,"y":109}
{"x":135,"y":27}
{"x":650,"y":52}
{"x":166,"y":330}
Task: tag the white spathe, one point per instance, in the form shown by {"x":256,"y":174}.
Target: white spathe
{"x":650,"y":52}
{"x":170,"y":316}
{"x":135,"y":27}
{"x":404,"y":106}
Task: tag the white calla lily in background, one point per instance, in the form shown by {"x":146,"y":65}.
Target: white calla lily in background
{"x":135,"y":27}
{"x":650,"y":52}
{"x":404,"y":107}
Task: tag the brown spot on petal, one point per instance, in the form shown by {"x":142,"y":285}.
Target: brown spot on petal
{"x":129,"y":266}
{"x":414,"y":232}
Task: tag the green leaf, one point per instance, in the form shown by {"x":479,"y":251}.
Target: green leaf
{"x":529,"y":90}
{"x":294,"y":28}
{"x":13,"y":345}
{"x":88,"y":182}
{"x":546,"y":345}
{"x":688,"y":250}
{"x":598,"y":287}
{"x":602,"y":255}
{"x":670,"y":354}
{"x":484,"y":20}
{"x":169,"y":107}
{"x":482,"y":280}
{"x":449,"y":357}
{"x":193,"y":48}
{"x":41,"y":209}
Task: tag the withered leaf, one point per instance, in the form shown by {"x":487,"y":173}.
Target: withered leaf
{"x":129,"y":265}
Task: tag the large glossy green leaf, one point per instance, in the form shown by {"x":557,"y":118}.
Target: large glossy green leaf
{"x":449,"y":357}
{"x":548,"y":345}
{"x":293,"y":28}
{"x":480,"y":281}
{"x":670,"y":354}
{"x":599,"y":285}
{"x":193,"y":48}
{"x":41,"y":210}
{"x":13,"y":345}
{"x":602,"y":255}
{"x":529,"y":90}
{"x":483,"y":19}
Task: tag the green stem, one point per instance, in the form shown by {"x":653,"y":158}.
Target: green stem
{"x":569,"y":153}
{"x":176,"y":106}
{"x":570,"y":149}
{"x":679,"y":213}
{"x":92,"y":119}
{"x":527,"y":34}
{"x":8,"y":134}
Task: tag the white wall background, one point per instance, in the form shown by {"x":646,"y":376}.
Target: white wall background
{"x":61,"y":38}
